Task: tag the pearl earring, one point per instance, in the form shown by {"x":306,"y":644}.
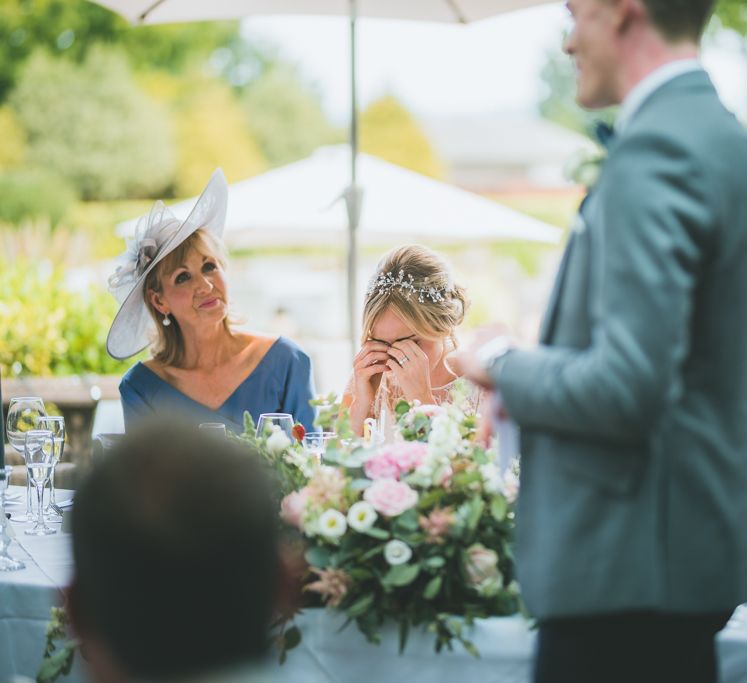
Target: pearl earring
{"x":166,"y":320}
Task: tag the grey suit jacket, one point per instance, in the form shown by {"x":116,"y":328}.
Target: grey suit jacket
{"x":633,"y":410}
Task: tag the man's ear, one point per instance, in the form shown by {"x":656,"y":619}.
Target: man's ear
{"x":627,"y":13}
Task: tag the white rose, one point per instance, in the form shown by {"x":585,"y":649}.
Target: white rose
{"x":332,"y":524}
{"x":491,"y":478}
{"x":278,"y":441}
{"x":362,"y":516}
{"x":396,"y":552}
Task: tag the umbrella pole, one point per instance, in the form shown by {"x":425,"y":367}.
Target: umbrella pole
{"x":353,"y":195}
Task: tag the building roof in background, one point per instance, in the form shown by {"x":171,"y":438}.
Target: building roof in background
{"x":503,"y":139}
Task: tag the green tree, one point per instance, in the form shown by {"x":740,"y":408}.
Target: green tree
{"x":211,"y":131}
{"x":91,"y":124}
{"x":286,"y":115}
{"x":389,"y":131}
{"x":732,"y":14}
{"x":71,"y":28}
{"x":13,"y":148}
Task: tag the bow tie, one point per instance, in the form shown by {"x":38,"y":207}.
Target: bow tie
{"x":604,"y":133}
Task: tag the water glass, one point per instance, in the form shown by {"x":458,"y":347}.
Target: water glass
{"x":315,"y":443}
{"x":268,"y":421}
{"x":7,"y":563}
{"x":38,"y":453}
{"x":23,"y":414}
{"x":217,"y":429}
{"x":56,"y":425}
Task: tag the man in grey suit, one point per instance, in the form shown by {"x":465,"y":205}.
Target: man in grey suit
{"x":632,"y":515}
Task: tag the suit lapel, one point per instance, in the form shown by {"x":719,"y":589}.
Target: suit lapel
{"x":548,"y":322}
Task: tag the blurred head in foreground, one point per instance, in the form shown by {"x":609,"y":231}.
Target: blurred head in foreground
{"x":176,"y":557}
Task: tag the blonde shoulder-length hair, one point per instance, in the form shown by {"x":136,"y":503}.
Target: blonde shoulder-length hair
{"x":168,"y":345}
{"x":429,"y":317}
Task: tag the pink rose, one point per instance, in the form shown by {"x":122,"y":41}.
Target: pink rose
{"x":381,"y":466}
{"x":292,"y":507}
{"x":394,"y":461}
{"x":408,"y":455}
{"x":390,"y":497}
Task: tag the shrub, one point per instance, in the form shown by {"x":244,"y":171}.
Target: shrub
{"x":47,"y":328}
{"x":34,"y":193}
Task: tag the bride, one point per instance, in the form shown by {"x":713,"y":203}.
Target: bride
{"x":411,"y":311}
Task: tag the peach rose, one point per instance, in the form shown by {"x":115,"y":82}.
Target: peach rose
{"x":292,"y":507}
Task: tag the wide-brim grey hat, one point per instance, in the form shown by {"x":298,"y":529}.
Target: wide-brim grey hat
{"x":157,"y":235}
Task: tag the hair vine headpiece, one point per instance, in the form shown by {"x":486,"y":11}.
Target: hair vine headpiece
{"x":383,"y":282}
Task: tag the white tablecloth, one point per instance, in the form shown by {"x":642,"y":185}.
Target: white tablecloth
{"x":325,"y":655}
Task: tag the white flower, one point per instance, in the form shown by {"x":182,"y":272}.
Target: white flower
{"x":396,"y":552}
{"x":491,"y":477}
{"x":278,"y":441}
{"x":510,"y":486}
{"x":445,"y":439}
{"x":302,"y":460}
{"x":362,"y":516}
{"x":332,"y":524}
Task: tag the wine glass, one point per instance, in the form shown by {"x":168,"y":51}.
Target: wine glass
{"x":38,"y":453}
{"x":56,"y":425}
{"x":315,"y":443}
{"x":23,"y":414}
{"x":268,"y":421}
{"x":217,"y":429}
{"x":7,"y":563}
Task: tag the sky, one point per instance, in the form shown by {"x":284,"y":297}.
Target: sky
{"x":443,"y":69}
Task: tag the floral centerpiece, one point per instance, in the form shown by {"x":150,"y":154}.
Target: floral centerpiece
{"x":418,"y":531}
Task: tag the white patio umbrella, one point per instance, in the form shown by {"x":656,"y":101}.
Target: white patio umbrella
{"x":451,"y":11}
{"x":296,"y":204}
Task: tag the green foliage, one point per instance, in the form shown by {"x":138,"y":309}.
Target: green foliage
{"x":34,"y":193}
{"x":47,"y":328}
{"x":389,"y":131}
{"x":70,"y":28}
{"x":13,"y":148}
{"x":286,"y":116}
{"x":57,"y":662}
{"x":91,"y":124}
{"x":211,"y":132}
{"x":732,"y":14}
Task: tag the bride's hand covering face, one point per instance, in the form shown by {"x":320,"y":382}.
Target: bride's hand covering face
{"x":411,"y":311}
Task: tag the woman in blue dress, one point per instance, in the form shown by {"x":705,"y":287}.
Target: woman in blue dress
{"x":173,"y":295}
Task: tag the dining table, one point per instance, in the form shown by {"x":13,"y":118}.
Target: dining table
{"x":328,"y":653}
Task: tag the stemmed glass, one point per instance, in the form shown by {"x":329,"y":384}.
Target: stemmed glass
{"x":7,"y":563}
{"x":56,"y":425}
{"x":217,"y":429}
{"x":315,"y":443}
{"x":268,"y":421}
{"x":39,"y":456}
{"x":23,"y":414}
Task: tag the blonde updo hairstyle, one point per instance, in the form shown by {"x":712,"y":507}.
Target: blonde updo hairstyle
{"x":168,"y":345}
{"x":429,"y":318}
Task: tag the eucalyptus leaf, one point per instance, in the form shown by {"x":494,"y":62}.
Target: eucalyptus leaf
{"x":498,"y":508}
{"x":360,"y":606}
{"x":375,"y":532}
{"x":432,"y":588}
{"x":318,"y":557}
{"x":401,"y":575}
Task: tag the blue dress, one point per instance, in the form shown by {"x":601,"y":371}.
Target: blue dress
{"x":282,"y":382}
